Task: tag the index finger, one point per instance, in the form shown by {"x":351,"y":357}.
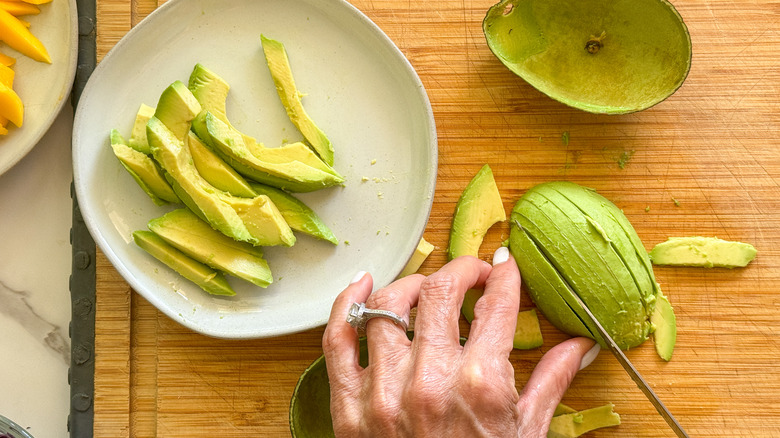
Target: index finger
{"x":495,"y":313}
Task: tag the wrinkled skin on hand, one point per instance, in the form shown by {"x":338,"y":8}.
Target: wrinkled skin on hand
{"x":432,"y":386}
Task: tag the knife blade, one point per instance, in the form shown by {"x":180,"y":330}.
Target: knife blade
{"x":632,"y":372}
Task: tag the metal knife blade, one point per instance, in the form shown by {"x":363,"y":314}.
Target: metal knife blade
{"x":632,"y":372}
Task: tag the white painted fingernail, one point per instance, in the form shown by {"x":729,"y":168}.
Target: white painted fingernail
{"x":590,"y":356}
{"x":501,"y":255}
{"x":357,"y":277}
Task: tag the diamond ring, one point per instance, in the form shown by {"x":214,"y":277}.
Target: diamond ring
{"x":359,"y":315}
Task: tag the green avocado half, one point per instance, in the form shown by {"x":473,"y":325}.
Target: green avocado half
{"x":601,"y":56}
{"x":568,"y":239}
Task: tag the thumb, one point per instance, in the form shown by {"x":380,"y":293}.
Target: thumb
{"x":551,"y":378}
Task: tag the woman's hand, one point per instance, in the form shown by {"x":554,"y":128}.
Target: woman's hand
{"x":433,"y":386}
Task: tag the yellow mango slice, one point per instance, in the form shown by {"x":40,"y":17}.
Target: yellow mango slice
{"x":6,"y":60}
{"x":6,"y":76}
{"x":17,"y":8}
{"x":11,"y":105}
{"x":18,"y":37}
{"x":36,"y":2}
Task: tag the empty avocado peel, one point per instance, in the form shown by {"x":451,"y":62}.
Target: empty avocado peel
{"x":705,"y":252}
{"x":600,"y":56}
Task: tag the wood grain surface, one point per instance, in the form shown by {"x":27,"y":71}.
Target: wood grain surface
{"x":712,"y":147}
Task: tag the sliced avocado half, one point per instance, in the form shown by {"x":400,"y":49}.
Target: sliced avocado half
{"x":186,"y":232}
{"x":568,"y":239}
{"x":208,"y":279}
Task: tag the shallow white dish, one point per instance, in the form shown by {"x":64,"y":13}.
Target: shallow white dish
{"x":361,"y":91}
{"x":43,"y":88}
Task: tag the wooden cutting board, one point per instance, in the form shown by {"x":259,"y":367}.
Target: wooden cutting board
{"x":704,"y":162}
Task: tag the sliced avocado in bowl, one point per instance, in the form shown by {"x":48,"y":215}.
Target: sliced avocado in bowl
{"x":600,"y":56}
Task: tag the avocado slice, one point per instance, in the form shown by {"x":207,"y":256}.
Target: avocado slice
{"x":665,"y":324}
{"x":189,"y":234}
{"x":214,"y":170}
{"x":297,"y":214}
{"x":253,"y":220}
{"x":423,"y":250}
{"x":478,"y":208}
{"x":281,"y":72}
{"x":293,"y":167}
{"x":528,"y":333}
{"x":137,"y":139}
{"x":704,"y":252}
{"x":574,"y":424}
{"x":144,"y":170}
{"x":208,"y":279}
{"x":210,"y":90}
{"x":176,"y":109}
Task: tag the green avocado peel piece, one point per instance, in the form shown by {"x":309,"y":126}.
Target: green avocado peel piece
{"x":703,"y":252}
{"x":208,"y":279}
{"x":601,"y":56}
{"x":568,"y":239}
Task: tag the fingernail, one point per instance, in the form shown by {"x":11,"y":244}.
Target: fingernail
{"x":357,"y":277}
{"x":590,"y":356}
{"x":501,"y":255}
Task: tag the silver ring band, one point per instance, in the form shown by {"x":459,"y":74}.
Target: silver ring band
{"x":359,"y":315}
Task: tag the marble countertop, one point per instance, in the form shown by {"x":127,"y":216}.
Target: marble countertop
{"x":35,"y":264}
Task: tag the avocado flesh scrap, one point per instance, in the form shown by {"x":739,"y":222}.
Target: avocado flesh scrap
{"x":292,"y":167}
{"x":144,"y":170}
{"x":545,"y":285}
{"x":665,"y":323}
{"x":704,"y":252}
{"x":423,"y":250}
{"x":528,"y":334}
{"x":574,"y":424}
{"x":253,"y":220}
{"x":478,"y":208}
{"x":137,"y":139}
{"x":208,"y":279}
{"x":186,"y":232}
{"x":589,"y":265}
{"x":297,"y":214}
{"x":214,"y":170}
{"x":281,"y":72}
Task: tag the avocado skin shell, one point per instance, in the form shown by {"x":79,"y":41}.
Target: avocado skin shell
{"x":560,"y":246}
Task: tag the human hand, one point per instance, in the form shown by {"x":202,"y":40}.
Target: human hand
{"x":431,"y":385}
